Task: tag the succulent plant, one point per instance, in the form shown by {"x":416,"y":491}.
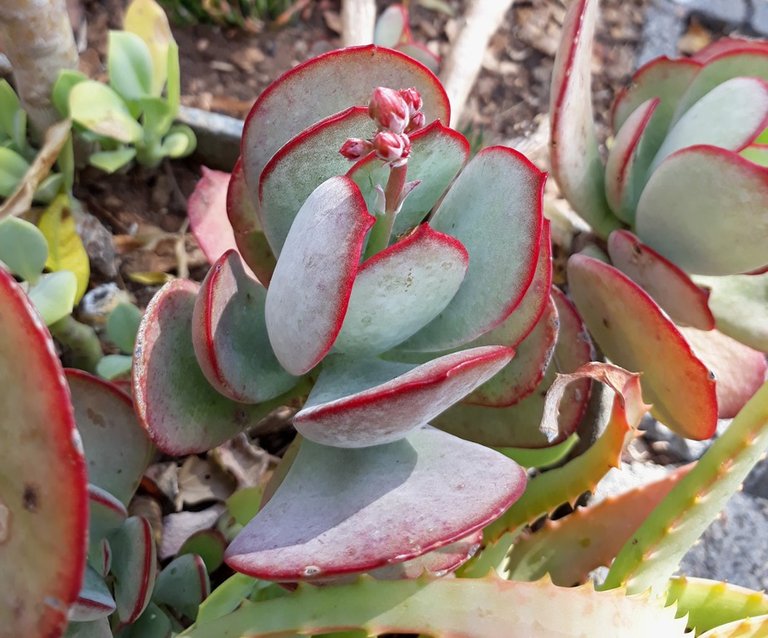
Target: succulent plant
{"x":393,"y":30}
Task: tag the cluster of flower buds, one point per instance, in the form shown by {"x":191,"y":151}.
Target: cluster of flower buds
{"x":396,"y":113}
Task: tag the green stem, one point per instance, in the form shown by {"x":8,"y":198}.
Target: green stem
{"x":82,"y":345}
{"x":382,"y":231}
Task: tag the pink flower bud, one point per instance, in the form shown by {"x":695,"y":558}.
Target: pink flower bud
{"x":417,"y":121}
{"x":392,"y":147}
{"x":355,"y":148}
{"x":389,"y":110}
{"x":413,"y":99}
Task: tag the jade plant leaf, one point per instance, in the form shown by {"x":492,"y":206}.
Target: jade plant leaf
{"x":208,"y":545}
{"x":633,"y":332}
{"x":727,"y":45}
{"x":312,"y":283}
{"x":726,"y":201}
{"x":341,"y":511}
{"x":99,"y":109}
{"x":43,"y":499}
{"x":111,"y":161}
{"x":117,"y":448}
{"x":129,"y":64}
{"x":94,"y":629}
{"x":13,"y":167}
{"x":147,"y":20}
{"x":94,"y":600}
{"x":229,"y":334}
{"x":105,"y":512}
{"x":183,"y":585}
{"x":494,"y":209}
{"x":391,"y":26}
{"x":134,"y":566}
{"x":153,"y":623}
{"x":670,"y":287}
{"x":400,"y":290}
{"x":23,"y":248}
{"x":338,"y":413}
{"x":122,"y":326}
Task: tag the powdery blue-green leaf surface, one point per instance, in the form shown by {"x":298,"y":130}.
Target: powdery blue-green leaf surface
{"x":95,"y":629}
{"x":391,"y":26}
{"x":725,"y":204}
{"x":400,"y":290}
{"x":341,"y":511}
{"x":134,"y":566}
{"x":229,"y":334}
{"x":341,"y":411}
{"x":312,"y":283}
{"x":153,"y":623}
{"x":23,"y":248}
{"x":105,"y":513}
{"x":494,"y":208}
{"x":183,"y":585}
{"x":94,"y":600}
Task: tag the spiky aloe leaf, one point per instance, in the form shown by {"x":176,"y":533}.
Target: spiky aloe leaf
{"x":174,"y":402}
{"x":301,"y":165}
{"x":325,"y":85}
{"x":94,"y":600}
{"x":437,"y":155}
{"x":727,"y":198}
{"x":710,"y":603}
{"x":400,"y":290}
{"x":574,"y":156}
{"x":489,"y":607}
{"x":739,"y":370}
{"x":519,"y":425}
{"x":183,"y":585}
{"x":312,"y":283}
{"x":670,"y":287}
{"x":356,"y":403}
{"x":504,"y":191}
{"x":106,"y":513}
{"x":43,"y":500}
{"x":749,"y":628}
{"x":342,"y":511}
{"x":523,"y":374}
{"x":569,"y":548}
{"x":652,"y":554}
{"x":633,"y":332}
{"x":740,"y":306}
{"x":565,"y":484}
{"x":134,"y":566}
{"x":117,"y":448}
{"x":229,"y":334}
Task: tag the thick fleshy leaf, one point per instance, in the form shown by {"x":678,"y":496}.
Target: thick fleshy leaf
{"x":420,"y":53}
{"x":633,"y":332}
{"x":437,"y":155}
{"x":23,"y":248}
{"x":175,"y":403}
{"x":129,"y":64}
{"x":94,"y":600}
{"x":43,"y":499}
{"x":134,"y":565}
{"x":494,"y":208}
{"x":739,"y":370}
{"x":730,"y":116}
{"x":669,"y":286}
{"x":101,"y":110}
{"x":400,"y":290}
{"x":312,"y":282}
{"x":392,"y":26}
{"x":326,"y":85}
{"x":745,"y":628}
{"x":117,"y":448}
{"x":663,"y":78}
{"x":153,"y":623}
{"x":724,"y":45}
{"x":229,"y":334}
{"x":347,"y":409}
{"x":520,"y":425}
{"x":301,"y":165}
{"x":54,"y":295}
{"x":701,"y":199}
{"x":183,"y":584}
{"x":105,"y":512}
{"x":629,"y":159}
{"x":574,"y":155}
{"x":147,"y":20}
{"x":523,"y":374}
{"x":341,"y":511}
{"x":740,"y":306}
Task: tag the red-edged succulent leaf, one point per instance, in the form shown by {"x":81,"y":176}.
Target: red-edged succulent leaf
{"x":661,"y":78}
{"x":574,"y":156}
{"x":175,"y":403}
{"x":342,"y":511}
{"x":249,"y":235}
{"x":312,"y":283}
{"x":739,"y":370}
{"x":326,"y":85}
{"x":357,"y":403}
{"x":134,"y":566}
{"x":105,"y":512}
{"x":229,"y":334}
{"x":437,"y":155}
{"x":725,"y":203}
{"x":629,"y":160}
{"x":116,"y":447}
{"x":494,"y":208}
{"x":94,"y":600}
{"x":392,"y":26}
{"x":153,"y":623}
{"x":301,"y":165}
{"x":730,"y":116}
{"x":183,"y":584}
{"x":523,"y":374}
{"x":420,"y":53}
{"x":43,"y":498}
{"x":520,"y":425}
{"x":100,"y":557}
{"x":724,"y":45}
{"x":400,"y":290}
{"x":670,"y":287}
{"x":633,"y":332}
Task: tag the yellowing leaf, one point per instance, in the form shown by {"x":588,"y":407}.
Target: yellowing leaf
{"x":146,"y":19}
{"x":151,"y":278}
{"x":65,"y":249}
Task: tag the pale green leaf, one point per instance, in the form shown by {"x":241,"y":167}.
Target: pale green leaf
{"x":99,"y":109}
{"x":54,"y":295}
{"x":129,"y":65}
{"x":22,"y":248}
